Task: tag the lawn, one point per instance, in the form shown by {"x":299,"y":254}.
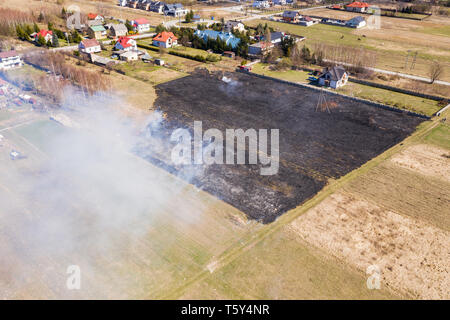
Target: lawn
{"x":403,"y":101}
{"x":439,"y":136}
{"x":289,"y":75}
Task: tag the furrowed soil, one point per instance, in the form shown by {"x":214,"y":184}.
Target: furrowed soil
{"x":314,"y":146}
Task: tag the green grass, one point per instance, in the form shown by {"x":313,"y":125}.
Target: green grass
{"x":440,"y":31}
{"x":439,"y":136}
{"x":289,"y":75}
{"x":403,"y":101}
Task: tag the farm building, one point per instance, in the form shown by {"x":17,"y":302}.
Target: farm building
{"x":89,"y":46}
{"x":9,"y":60}
{"x":334,"y":77}
{"x":165,"y":40}
{"x":141,"y":25}
{"x":357,"y":6}
{"x":125,"y":44}
{"x":129,"y":56}
{"x":97,"y":32}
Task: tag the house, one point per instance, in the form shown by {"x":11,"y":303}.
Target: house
{"x":357,"y":6}
{"x":157,"y":6}
{"x":306,"y":21}
{"x":229,"y":38}
{"x":46,"y":34}
{"x":141,"y":25}
{"x":91,"y":23}
{"x":9,"y":60}
{"x":276,"y":37}
{"x":125,"y":44}
{"x":118,"y":30}
{"x":356,"y":22}
{"x":197,"y":18}
{"x":336,"y":7}
{"x":159,"y":62}
{"x":261,"y":4}
{"x":123,"y":3}
{"x":165,"y":40}
{"x":259,"y":49}
{"x":129,"y":56}
{"x":279,"y":2}
{"x":133,"y":3}
{"x":290,"y":16}
{"x":96,"y":32}
{"x":94,"y":16}
{"x":89,"y":46}
{"x":144,"y":4}
{"x":334,"y":77}
{"x":175,"y":10}
{"x":234,"y":25}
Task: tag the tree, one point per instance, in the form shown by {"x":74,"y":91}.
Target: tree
{"x":63,"y":13}
{"x":41,"y":41}
{"x":189,"y":16}
{"x":36,"y":27}
{"x":436,"y":70}
{"x":129,"y":26}
{"x":55,"y":40}
{"x":160,"y":28}
{"x":50,"y":26}
{"x":41,"y":16}
{"x":267,"y":35}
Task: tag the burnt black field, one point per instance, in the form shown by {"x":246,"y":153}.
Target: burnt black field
{"x":314,"y":146}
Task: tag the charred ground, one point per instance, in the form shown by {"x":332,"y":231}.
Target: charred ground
{"x":314,"y":146}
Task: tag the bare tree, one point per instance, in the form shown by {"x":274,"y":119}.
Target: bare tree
{"x":436,"y":70}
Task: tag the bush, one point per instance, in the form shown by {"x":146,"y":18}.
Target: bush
{"x":188,"y":56}
{"x":212,"y":58}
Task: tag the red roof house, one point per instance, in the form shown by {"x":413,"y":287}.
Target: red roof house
{"x":141,"y":25}
{"x":357,"y":6}
{"x":165,"y":39}
{"x":126,"y":44}
{"x":46,"y":34}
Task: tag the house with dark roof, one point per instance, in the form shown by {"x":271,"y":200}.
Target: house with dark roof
{"x":291,"y":16}
{"x":175,"y":10}
{"x":157,"y":6}
{"x":334,"y":77}
{"x":259,"y":49}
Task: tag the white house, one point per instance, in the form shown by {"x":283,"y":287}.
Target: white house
{"x":94,"y":16}
{"x":333,"y":77}
{"x":175,"y":10}
{"x":89,"y":46}
{"x":141,"y":25}
{"x":234,"y":25}
{"x":356,"y":22}
{"x":9,"y":60}
{"x":129,"y":56}
{"x":357,"y":6}
{"x":261,"y":4}
{"x":125,"y":44}
{"x":123,"y":3}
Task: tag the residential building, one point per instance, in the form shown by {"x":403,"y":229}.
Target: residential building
{"x":9,"y":60}
{"x":133,"y":3}
{"x":276,"y":37}
{"x":125,"y":44}
{"x":261,"y":4}
{"x":334,"y":77}
{"x":91,"y":23}
{"x":229,"y":38}
{"x":291,"y":16}
{"x":89,"y":46}
{"x":144,"y":4}
{"x":94,"y":16}
{"x":96,"y":32}
{"x":357,"y":6}
{"x":260,"y":48}
{"x":141,"y":25}
{"x":123,"y":3}
{"x":165,"y":40}
{"x":46,"y":34}
{"x":234,"y":25}
{"x":356,"y":22}
{"x":197,"y":18}
{"x":306,"y":21}
{"x":229,"y":54}
{"x":157,"y":6}
{"x":279,"y":2}
{"x":175,"y":10}
{"x":118,"y":30}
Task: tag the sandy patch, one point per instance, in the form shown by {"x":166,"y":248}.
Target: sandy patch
{"x":425,"y":159}
{"x":413,"y":257}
